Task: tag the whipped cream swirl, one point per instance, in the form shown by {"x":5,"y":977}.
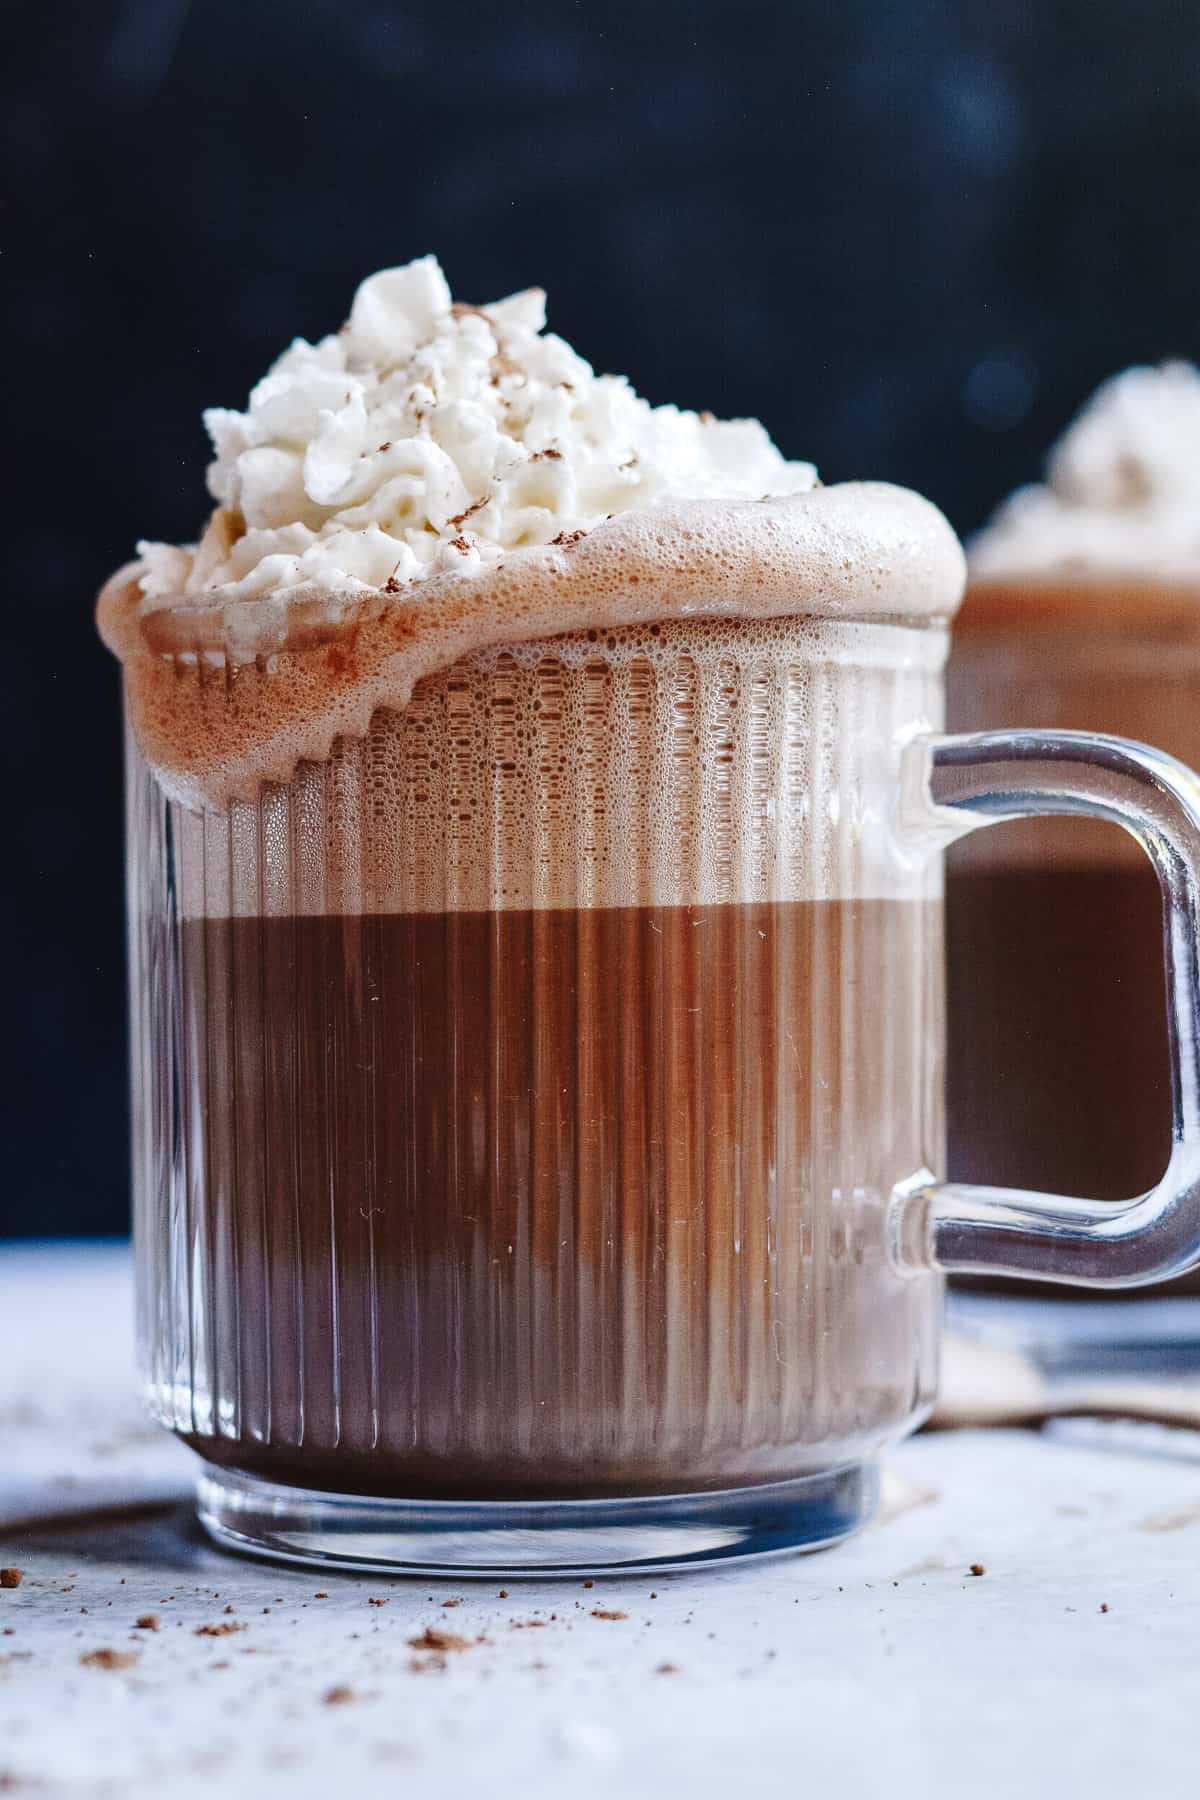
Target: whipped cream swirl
{"x":431,"y":438}
{"x":1122,"y":490}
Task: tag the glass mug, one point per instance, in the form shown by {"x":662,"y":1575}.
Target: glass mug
{"x":535,"y":1101}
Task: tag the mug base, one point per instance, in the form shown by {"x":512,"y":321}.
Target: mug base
{"x":510,"y":1539}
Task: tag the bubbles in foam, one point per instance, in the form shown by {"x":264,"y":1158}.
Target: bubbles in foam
{"x":701,"y":763}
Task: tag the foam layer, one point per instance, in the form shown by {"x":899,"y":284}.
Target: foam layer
{"x":689,"y":763}
{"x":225,"y":694}
{"x":1122,"y":496}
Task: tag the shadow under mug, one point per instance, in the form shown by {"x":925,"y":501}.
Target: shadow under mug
{"x":535,"y":1102}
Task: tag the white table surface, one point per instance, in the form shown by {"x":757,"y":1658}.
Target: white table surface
{"x":881,"y":1667}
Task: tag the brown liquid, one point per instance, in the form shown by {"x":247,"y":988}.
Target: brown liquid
{"x":538,"y":1203}
{"x":1057,"y":1071}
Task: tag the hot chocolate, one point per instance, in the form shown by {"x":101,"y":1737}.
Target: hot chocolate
{"x":507,"y":1174}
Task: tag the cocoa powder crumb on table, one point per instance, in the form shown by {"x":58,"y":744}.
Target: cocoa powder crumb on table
{"x":589,"y":1583}
{"x":11,"y":1578}
{"x":147,"y":1622}
{"x":977,"y":1569}
{"x":667,"y":1669}
{"x":222,"y":1630}
{"x":601,"y":1612}
{"x":433,"y":1639}
{"x":338,"y":1696}
{"x":503,"y":1593}
{"x":446,"y":1603}
{"x":109,"y":1659}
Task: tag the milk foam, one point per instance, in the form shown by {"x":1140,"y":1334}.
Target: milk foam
{"x":1122,"y":494}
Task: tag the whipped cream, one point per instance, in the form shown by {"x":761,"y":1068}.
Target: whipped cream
{"x":430,"y":438}
{"x":1122,"y":490}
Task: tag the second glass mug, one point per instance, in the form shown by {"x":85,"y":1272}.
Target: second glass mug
{"x":535,"y":1103}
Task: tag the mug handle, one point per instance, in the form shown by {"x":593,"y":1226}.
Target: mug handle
{"x":953,"y":785}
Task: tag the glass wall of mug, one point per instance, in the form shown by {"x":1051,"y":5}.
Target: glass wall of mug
{"x":519,"y":1093}
{"x":1058,"y":1073}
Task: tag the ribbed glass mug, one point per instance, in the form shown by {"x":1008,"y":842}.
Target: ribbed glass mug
{"x":535,"y":1101}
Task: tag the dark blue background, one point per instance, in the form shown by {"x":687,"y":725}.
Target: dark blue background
{"x":910,"y":236}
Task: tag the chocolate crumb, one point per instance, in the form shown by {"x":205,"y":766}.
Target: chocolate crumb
{"x":544,"y":455}
{"x":386,"y":446}
{"x":433,"y":1639}
{"x":503,"y":1593}
{"x":321,"y":1596}
{"x":448,"y":1603}
{"x":338,"y":1696}
{"x":372,"y":1602}
{"x":462,"y":517}
{"x":391,"y":585}
{"x":1104,"y":1606}
{"x":10,"y":1578}
{"x":109,"y":1659}
{"x":600,"y":1612}
{"x":223,"y":1630}
{"x":147,"y":1622}
{"x":589,"y":1583}
{"x":227,"y":1609}
{"x":527,"y":1624}
{"x":977,"y":1569}
{"x":667,"y":1669}
{"x":461,"y":545}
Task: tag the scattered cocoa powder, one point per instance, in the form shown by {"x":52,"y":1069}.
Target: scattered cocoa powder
{"x":376,"y":1602}
{"x":109,"y":1659}
{"x":600,"y":1612}
{"x":222,"y":1630}
{"x":448,"y":1603}
{"x":339,"y":1696}
{"x":11,"y":1578}
{"x":433,"y":1639}
{"x":147,"y":1622}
